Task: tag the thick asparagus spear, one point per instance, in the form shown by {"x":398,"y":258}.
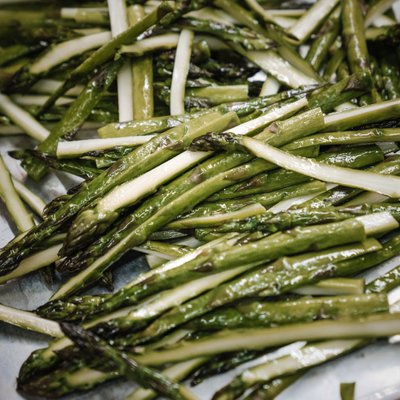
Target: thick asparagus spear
{"x":258,"y":314}
{"x":126,"y":366}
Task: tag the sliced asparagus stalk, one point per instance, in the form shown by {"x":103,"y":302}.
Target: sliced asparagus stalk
{"x":386,"y":185}
{"x":20,"y":215}
{"x":142,"y":75}
{"x":49,"y":86}
{"x":270,"y":87}
{"x":305,"y":357}
{"x":88,"y":15}
{"x":313,"y":18}
{"x":380,"y":325}
{"x":66,"y":50}
{"x":330,"y":287}
{"x":72,"y":149}
{"x":23,"y":119}
{"x":36,"y":261}
{"x":376,"y":10}
{"x":127,"y":367}
{"x":385,"y":283}
{"x":165,"y":41}
{"x":180,"y":72}
{"x":347,"y":137}
{"x":176,"y":373}
{"x":164,"y":251}
{"x":119,"y":23}
{"x":38,"y":100}
{"x":187,"y":223}
{"x":253,"y":314}
{"x":29,"y":321}
{"x":30,"y":198}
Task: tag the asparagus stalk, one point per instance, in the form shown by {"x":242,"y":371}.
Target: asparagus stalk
{"x":286,"y":365}
{"x":127,"y":367}
{"x":327,"y":36}
{"x":356,"y":157}
{"x":377,"y":9}
{"x":23,"y":119}
{"x":119,"y":23}
{"x":354,"y":39}
{"x":274,"y":388}
{"x":385,"y":283}
{"x":253,"y":314}
{"x":29,"y":321}
{"x":30,"y":198}
{"x":347,"y":137}
{"x":180,"y":73}
{"x":310,"y":21}
{"x":380,"y":325}
{"x":72,"y":149}
{"x":176,"y":373}
{"x":354,"y":178}
{"x":330,"y":287}
{"x":20,"y":215}
{"x":142,"y":75}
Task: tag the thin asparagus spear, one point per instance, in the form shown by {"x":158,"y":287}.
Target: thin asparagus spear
{"x":380,"y":325}
{"x":108,"y":50}
{"x":347,"y":137}
{"x":309,"y":21}
{"x":356,"y":157}
{"x":385,"y":283}
{"x":330,"y":287}
{"x":354,"y":178}
{"x":30,"y":198}
{"x":29,"y":321}
{"x":176,"y":373}
{"x":377,"y":9}
{"x":142,"y":76}
{"x":20,"y":215}
{"x":127,"y":367}
{"x":23,"y":119}
{"x":253,"y":314}
{"x":326,"y":37}
{"x":180,"y":73}
{"x":347,"y":391}
{"x":272,"y":389}
{"x":286,"y":365}
{"x":354,"y":39}
{"x":72,"y":149}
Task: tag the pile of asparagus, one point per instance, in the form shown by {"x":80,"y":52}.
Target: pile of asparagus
{"x":248,"y":149}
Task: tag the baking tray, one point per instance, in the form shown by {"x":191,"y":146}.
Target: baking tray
{"x":375,"y":368}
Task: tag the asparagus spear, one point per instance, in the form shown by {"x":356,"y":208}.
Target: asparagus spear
{"x":127,"y":367}
{"x":20,"y":215}
{"x":385,"y":283}
{"x":368,"y":327}
{"x":286,"y":365}
{"x":253,"y":314}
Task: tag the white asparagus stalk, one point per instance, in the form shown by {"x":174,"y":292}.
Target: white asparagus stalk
{"x":30,"y":321}
{"x":78,"y":147}
{"x":20,"y":215}
{"x":161,"y":42}
{"x":378,"y":9}
{"x":66,"y":50}
{"x":30,"y":198}
{"x":23,"y":119}
{"x":38,"y":100}
{"x":270,"y":86}
{"x":180,"y":72}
